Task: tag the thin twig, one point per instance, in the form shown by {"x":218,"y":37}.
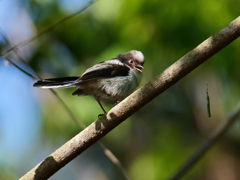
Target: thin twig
{"x":46,"y":30}
{"x":69,"y":112}
{"x":205,"y":146}
{"x":134,"y":102}
{"x":4,"y":35}
{"x":25,"y":72}
{"x":107,"y":152}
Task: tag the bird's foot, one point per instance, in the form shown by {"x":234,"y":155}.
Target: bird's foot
{"x":101,"y":115}
{"x":117,"y":102}
{"x":119,"y":99}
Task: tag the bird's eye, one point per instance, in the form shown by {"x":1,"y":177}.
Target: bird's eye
{"x":131,"y":61}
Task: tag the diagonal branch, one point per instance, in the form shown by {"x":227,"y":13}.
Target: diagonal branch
{"x":134,"y":102}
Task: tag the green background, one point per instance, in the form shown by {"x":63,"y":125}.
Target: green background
{"x":158,"y":138}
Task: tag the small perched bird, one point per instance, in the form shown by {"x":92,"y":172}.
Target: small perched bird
{"x":108,"y":82}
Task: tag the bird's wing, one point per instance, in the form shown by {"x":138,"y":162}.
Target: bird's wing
{"x":106,"y":69}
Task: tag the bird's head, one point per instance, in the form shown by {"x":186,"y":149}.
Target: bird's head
{"x":134,"y":59}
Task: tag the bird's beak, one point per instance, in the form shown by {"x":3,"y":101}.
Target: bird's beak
{"x":138,"y":68}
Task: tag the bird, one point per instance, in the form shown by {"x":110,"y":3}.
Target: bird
{"x":109,"y":82}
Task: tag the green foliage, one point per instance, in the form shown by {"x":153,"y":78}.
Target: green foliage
{"x":155,"y":141}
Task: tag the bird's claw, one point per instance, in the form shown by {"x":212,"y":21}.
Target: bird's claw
{"x":100,"y":115}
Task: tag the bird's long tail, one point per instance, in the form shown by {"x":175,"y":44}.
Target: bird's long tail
{"x":63,"y":82}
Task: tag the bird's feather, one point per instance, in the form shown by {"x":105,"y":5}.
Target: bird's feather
{"x":104,"y":70}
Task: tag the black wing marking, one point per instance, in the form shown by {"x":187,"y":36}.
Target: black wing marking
{"x":104,"y":70}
